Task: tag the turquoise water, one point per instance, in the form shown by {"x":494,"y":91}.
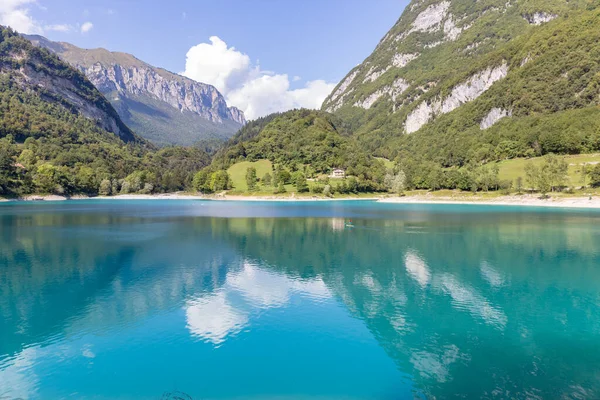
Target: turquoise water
{"x":218,"y":300}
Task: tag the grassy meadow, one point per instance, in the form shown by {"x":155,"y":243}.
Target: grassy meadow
{"x":512,"y":169}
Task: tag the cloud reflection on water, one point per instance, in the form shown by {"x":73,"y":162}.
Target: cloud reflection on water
{"x":417,"y":268}
{"x":217,"y":316}
{"x":467,"y":298}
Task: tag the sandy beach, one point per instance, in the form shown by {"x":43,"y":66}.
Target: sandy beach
{"x":512,"y":200}
{"x":523,"y":200}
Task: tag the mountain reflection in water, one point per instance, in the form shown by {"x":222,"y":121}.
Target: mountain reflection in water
{"x":138,"y":299}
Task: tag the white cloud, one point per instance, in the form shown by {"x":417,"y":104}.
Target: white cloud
{"x":16,"y":14}
{"x":86,"y":27}
{"x":58,"y":28}
{"x":245,"y":85}
{"x":216,"y":64}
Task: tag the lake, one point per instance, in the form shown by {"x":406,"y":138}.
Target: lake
{"x":172,"y":299}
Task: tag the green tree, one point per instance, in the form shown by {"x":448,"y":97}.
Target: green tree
{"x":398,"y":184}
{"x":125,"y":187}
{"x":556,"y":171}
{"x":280,"y":188}
{"x":251,"y":179}
{"x":45,"y":178}
{"x":105,"y":188}
{"x":201,"y":181}
{"x":519,"y":185}
{"x":284,"y":176}
{"x":267,"y":179}
{"x":85,"y":180}
{"x":297,"y":175}
{"x":488,"y":177}
{"x":532,"y":175}
{"x":27,"y":158}
{"x":115,"y":186}
{"x":594,"y":175}
{"x":434,"y":178}
{"x":276,"y":175}
{"x":220,"y":181}
{"x":584,"y":174}
{"x":7,"y":168}
{"x":352,"y":184}
{"x":301,"y":184}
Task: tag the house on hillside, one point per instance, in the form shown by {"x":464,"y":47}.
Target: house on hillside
{"x":338,"y":173}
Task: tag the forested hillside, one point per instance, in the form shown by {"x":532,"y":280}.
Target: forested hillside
{"x":458,"y":81}
{"x":58,"y":134}
{"x":313,"y":142}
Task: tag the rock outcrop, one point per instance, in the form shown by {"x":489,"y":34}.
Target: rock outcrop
{"x":442,"y":56}
{"x":539,"y":18}
{"x":162,"y":106}
{"x":34,"y":70}
{"x":180,"y":93}
{"x":495,"y":115}
{"x":463,"y":93}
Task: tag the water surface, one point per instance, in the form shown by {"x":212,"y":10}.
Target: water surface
{"x":220,"y":300}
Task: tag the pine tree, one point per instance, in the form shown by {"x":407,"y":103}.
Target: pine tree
{"x":251,"y":179}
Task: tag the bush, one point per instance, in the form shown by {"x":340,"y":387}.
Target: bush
{"x":317,"y":189}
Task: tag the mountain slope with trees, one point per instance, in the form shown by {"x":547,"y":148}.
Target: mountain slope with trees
{"x":312,"y":142}
{"x":456,"y":82}
{"x":59,"y":134}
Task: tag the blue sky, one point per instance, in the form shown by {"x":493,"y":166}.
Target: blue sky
{"x":306,"y":41}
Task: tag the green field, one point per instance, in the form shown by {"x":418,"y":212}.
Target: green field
{"x":512,"y":169}
{"x":237,"y":172}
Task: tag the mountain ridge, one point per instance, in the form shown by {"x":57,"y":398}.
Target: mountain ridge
{"x":457,"y":67}
{"x":162,"y":106}
{"x":35,"y":72}
{"x":60,"y":135}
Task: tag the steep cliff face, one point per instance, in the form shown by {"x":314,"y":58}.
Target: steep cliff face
{"x":181,"y":94}
{"x":452,"y":66}
{"x":40,"y":73}
{"x":161,"y":106}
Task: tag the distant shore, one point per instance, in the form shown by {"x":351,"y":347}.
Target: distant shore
{"x":510,"y":200}
{"x":513,"y":200}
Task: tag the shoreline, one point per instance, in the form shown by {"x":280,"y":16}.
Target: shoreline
{"x":510,"y":200}
{"x":517,"y":201}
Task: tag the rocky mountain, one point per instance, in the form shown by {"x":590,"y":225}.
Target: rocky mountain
{"x":60,"y":135}
{"x":161,"y":106}
{"x":30,"y":75}
{"x":456,"y":81}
